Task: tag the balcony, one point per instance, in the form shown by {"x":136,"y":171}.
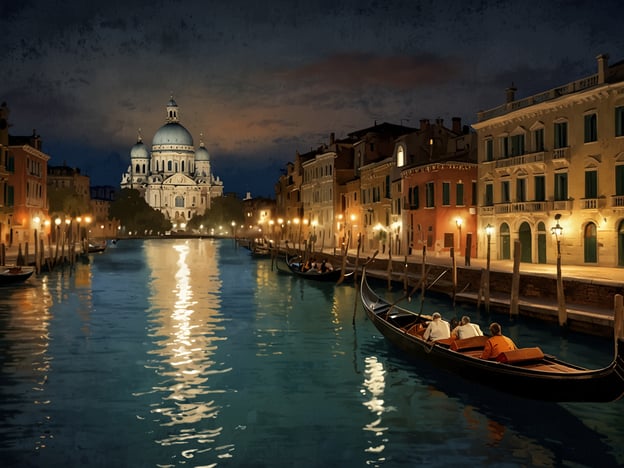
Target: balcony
{"x":561,"y":154}
{"x":486,"y":210}
{"x":520,"y":160}
{"x":522,"y":207}
{"x":592,"y":203}
{"x":617,"y":201}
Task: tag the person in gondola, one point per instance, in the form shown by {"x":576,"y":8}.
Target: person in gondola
{"x":498,"y":343}
{"x":465,"y":329}
{"x":437,"y":329}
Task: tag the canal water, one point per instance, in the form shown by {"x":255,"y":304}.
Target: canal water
{"x":166,"y":353}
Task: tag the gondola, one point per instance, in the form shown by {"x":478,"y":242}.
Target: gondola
{"x":526,"y":372}
{"x":295,"y":267}
{"x":15,"y":274}
{"x":96,"y":247}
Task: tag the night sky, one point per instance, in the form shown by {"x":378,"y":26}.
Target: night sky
{"x":262,"y":80}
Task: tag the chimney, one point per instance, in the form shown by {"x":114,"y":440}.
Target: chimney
{"x":603,"y":64}
{"x":424,"y":124}
{"x":457,"y":128}
{"x":511,"y":93}
{"x":332,"y":138}
{"x":439,"y":122}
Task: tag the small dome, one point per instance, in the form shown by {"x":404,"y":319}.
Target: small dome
{"x":202,"y":154}
{"x":172,"y":133}
{"x":139,"y":151}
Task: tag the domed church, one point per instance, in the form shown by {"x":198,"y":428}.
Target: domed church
{"x":174,"y":178}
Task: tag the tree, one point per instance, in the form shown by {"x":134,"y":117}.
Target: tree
{"x":65,"y":201}
{"x":134,"y":214}
{"x":222,"y":212}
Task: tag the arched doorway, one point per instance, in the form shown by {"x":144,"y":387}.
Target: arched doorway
{"x":505,"y":242}
{"x":621,"y":244}
{"x":541,"y":242}
{"x":590,"y":243}
{"x":524,"y":234}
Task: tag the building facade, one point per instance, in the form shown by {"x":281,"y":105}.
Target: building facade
{"x":173,"y":176}
{"x":556,"y":159}
{"x":439,"y":177}
{"x":27,"y":190}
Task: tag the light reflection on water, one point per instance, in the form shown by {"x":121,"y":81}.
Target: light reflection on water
{"x":185,"y":338}
{"x":374,"y":385}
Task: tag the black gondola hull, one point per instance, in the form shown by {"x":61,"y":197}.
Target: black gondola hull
{"x":580,"y":385}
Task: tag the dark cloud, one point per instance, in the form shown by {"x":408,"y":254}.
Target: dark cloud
{"x":362,"y":70}
{"x":262,"y":80}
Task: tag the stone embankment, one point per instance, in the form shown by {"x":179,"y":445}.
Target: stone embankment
{"x":589,"y":291}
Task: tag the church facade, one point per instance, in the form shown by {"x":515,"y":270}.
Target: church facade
{"x":173,"y":177}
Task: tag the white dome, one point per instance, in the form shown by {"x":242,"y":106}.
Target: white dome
{"x":202,"y":154}
{"x":172,"y":133}
{"x":139,"y":151}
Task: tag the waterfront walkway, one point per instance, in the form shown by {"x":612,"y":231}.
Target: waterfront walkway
{"x":588,"y":318}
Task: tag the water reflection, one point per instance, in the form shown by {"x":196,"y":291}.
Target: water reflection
{"x":185,"y":322}
{"x":374,"y":386}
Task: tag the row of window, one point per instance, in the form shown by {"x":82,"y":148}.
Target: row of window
{"x":514,"y":145}
{"x":560,"y":186}
{"x":317,"y":172}
{"x":413,"y":195}
{"x":160,"y":166}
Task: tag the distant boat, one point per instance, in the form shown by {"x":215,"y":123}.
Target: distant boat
{"x":95,"y":247}
{"x":297,"y":267}
{"x":15,"y":274}
{"x":525,"y":372}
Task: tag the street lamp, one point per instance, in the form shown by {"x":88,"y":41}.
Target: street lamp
{"x":557,"y":231}
{"x":489,"y":229}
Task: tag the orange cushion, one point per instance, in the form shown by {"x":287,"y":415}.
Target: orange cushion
{"x":520,"y":355}
{"x":474,"y":342}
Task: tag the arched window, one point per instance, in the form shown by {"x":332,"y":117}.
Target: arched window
{"x":179,"y":201}
{"x":169,"y":165}
{"x":400,"y":157}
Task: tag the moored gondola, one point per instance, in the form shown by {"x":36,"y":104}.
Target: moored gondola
{"x":526,"y":372}
{"x":297,"y":267}
{"x":15,"y":274}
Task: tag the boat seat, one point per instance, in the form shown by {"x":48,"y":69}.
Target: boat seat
{"x":520,"y":355}
{"x":446,"y":342}
{"x":466,"y":344}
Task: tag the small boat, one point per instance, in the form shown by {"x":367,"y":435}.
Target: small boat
{"x":297,"y":267}
{"x":95,"y":247}
{"x":525,"y":372}
{"x":15,"y":274}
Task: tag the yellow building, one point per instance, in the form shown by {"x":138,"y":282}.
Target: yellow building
{"x":556,"y":159}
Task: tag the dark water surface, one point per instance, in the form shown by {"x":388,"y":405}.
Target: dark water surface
{"x":165,"y":353}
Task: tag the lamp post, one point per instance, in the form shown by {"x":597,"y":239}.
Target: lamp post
{"x":489,"y":229}
{"x":557,"y":231}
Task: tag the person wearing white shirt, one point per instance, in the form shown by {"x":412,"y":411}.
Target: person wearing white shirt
{"x":437,"y":329}
{"x":465,"y":329}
